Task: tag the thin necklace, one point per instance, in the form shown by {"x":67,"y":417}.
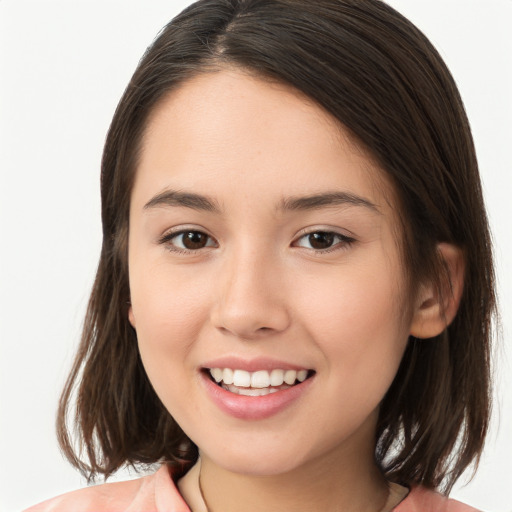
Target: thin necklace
{"x":202,"y":493}
{"x":208,"y":508}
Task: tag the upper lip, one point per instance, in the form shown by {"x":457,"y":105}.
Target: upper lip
{"x":252,"y":365}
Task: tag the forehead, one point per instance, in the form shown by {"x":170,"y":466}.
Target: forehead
{"x":236,"y":135}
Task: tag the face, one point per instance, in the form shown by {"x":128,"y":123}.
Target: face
{"x":262,"y":247}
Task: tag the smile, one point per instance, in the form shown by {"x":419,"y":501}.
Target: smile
{"x":258,"y":383}
{"x":256,"y":389}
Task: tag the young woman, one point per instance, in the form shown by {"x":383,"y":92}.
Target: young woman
{"x":293,"y":302}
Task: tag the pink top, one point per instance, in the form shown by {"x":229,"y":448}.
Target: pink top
{"x":158,"y":493}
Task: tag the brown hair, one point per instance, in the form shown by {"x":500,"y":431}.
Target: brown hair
{"x":382,"y":79}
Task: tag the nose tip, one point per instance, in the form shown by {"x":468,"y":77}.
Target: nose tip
{"x":247,"y":326}
{"x":251,"y":305}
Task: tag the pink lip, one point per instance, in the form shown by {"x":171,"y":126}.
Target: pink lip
{"x":253,"y":365}
{"x":253,"y":407}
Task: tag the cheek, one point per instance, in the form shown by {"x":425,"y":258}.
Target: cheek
{"x":168,"y":314}
{"x":167,"y":318}
{"x":358,"y":323}
{"x":162,"y":297}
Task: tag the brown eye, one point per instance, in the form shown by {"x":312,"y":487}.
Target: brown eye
{"x":194,"y":240}
{"x":321,"y":240}
{"x":324,"y":240}
{"x":188,"y":240}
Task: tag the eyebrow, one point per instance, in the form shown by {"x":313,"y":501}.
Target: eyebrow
{"x":326,"y":199}
{"x":184,"y":199}
{"x":300,"y":203}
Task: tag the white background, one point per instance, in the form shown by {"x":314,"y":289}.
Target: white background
{"x":63,"y":67}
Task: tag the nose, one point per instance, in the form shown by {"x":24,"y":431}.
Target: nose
{"x":251,"y":301}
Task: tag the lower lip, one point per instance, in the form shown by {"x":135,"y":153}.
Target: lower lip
{"x":254,"y":407}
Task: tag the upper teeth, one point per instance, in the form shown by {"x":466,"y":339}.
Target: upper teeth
{"x":259,"y":379}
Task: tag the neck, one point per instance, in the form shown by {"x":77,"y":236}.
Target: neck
{"x":323,"y":485}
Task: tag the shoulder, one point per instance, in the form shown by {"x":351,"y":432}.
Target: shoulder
{"x":103,"y":497}
{"x":426,"y":500}
{"x":152,"y":493}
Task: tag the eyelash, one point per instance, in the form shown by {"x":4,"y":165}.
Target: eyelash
{"x":343,"y":242}
{"x":168,"y":238}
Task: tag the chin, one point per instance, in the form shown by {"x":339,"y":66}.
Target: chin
{"x":256,"y":462}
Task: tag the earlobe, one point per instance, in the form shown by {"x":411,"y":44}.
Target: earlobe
{"x":131,"y":316}
{"x":436,"y":307}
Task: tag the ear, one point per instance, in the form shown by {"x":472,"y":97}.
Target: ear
{"x":436,"y":308}
{"x":131,"y":316}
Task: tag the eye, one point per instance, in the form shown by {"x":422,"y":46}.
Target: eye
{"x":323,"y":240}
{"x":188,"y":240}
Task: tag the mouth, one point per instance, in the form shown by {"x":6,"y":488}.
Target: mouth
{"x":257,"y":383}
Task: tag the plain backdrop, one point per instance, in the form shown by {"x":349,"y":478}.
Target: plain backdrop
{"x":63,"y":67}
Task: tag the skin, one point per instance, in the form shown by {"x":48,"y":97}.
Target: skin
{"x":258,"y":288}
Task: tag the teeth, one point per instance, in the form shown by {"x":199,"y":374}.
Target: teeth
{"x":259,"y":380}
{"x":217,"y":374}
{"x":227,"y":376}
{"x":276,"y":377}
{"x":241,"y":378}
{"x":301,"y":375}
{"x":254,"y":391}
{"x":290,"y":376}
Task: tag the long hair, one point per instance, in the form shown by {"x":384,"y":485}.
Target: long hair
{"x":375,"y":72}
